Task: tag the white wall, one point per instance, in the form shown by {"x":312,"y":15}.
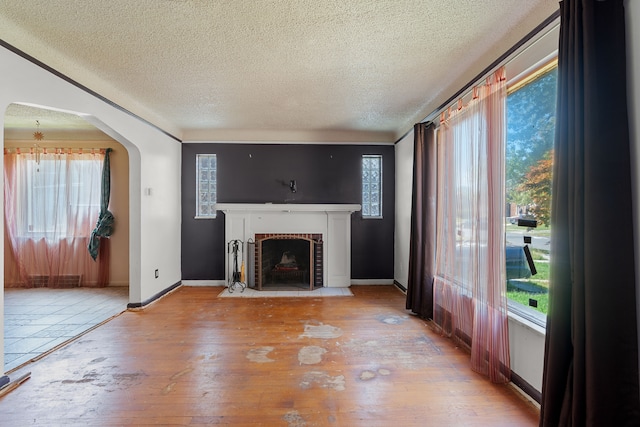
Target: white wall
{"x":404,"y":187}
{"x":154,"y":163}
{"x":633,"y":103}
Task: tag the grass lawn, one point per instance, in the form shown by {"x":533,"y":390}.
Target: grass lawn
{"x":522,"y":297}
{"x":539,"y":254}
{"x":543,"y":273}
{"x":540,"y":280}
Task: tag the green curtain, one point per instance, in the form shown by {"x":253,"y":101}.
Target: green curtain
{"x":104,"y":225}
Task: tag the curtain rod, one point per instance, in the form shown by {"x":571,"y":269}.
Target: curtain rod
{"x":504,"y":58}
{"x":56,"y":150}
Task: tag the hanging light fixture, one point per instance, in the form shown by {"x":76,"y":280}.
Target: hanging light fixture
{"x":37,"y":135}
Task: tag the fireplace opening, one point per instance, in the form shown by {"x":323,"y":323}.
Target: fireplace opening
{"x":286,"y":261}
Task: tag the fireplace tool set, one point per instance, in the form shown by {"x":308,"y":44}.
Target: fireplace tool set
{"x":236,"y":275}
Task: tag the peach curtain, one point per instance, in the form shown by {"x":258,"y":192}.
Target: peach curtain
{"x":469,"y":285}
{"x":52,"y":202}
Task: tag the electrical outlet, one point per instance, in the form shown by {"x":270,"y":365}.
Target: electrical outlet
{"x":157,"y":274}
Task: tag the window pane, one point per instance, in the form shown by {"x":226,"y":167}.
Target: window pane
{"x":528,"y":166}
{"x":206,"y":168}
{"x":57,"y":196}
{"x":371,"y":186}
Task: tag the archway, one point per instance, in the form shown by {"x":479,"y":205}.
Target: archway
{"x":37,"y":320}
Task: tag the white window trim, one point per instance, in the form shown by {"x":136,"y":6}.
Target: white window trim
{"x":541,"y":67}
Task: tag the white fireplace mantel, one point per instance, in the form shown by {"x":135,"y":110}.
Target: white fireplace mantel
{"x":285,"y":207}
{"x":244,"y":220}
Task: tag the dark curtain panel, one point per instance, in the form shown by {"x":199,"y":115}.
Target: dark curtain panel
{"x":104,"y":225}
{"x":591,"y":355}
{"x":423,"y":222}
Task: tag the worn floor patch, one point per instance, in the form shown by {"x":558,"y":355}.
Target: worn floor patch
{"x":311,"y":355}
{"x":392,"y":319}
{"x":109,"y":382}
{"x":367,"y":375}
{"x":181,"y":373}
{"x":168,"y":388}
{"x":259,"y":355}
{"x":323,"y":380}
{"x":294,"y":419}
{"x":321,"y":331}
{"x":391,"y":350}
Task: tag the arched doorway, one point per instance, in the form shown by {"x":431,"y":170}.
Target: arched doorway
{"x":36,"y":317}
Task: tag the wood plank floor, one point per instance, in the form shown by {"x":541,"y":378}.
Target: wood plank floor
{"x":197,"y":360}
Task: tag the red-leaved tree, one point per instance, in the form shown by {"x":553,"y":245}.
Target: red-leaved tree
{"x":537,"y":184}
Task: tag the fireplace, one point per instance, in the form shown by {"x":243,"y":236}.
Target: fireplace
{"x":328,"y":226}
{"x":288,"y":260}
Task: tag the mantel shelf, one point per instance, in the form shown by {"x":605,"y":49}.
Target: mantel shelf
{"x":286,"y":207}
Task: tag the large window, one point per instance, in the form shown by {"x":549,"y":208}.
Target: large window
{"x":207,"y":186}
{"x":51,"y":204}
{"x":372,"y":186}
{"x":528,"y":161}
{"x":54,"y":193}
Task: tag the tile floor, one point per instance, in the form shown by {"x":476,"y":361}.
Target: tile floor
{"x":39,"y":319}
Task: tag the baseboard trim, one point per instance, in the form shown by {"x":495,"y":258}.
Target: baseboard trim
{"x":526,"y":388}
{"x":372,"y":281}
{"x":204,"y":283}
{"x":224,"y":282}
{"x":399,"y":286}
{"x":137,"y":305}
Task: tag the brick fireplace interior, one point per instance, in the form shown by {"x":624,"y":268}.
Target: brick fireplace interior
{"x":288,"y":260}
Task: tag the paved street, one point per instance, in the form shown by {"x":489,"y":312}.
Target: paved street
{"x":517,"y":238}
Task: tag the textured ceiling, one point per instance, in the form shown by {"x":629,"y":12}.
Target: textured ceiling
{"x":319,"y":70}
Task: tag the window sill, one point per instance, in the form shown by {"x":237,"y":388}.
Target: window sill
{"x":525,"y":316}
{"x":205,"y":217}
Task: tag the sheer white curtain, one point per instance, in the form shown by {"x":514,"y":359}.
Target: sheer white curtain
{"x":52,"y":202}
{"x":469,"y":286}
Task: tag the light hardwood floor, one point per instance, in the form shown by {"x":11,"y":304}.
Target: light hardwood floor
{"x":195,"y":359}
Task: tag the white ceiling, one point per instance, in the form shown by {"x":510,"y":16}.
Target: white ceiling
{"x":304,"y":70}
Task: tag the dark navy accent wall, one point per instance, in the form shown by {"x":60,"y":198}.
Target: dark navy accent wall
{"x":260,"y":173}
